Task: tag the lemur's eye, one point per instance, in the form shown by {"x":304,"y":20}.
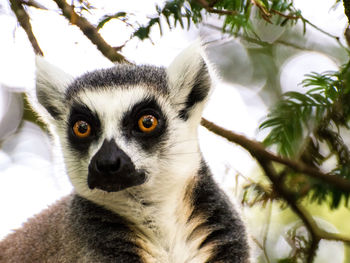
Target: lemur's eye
{"x":147,"y":123}
{"x":82,"y":129}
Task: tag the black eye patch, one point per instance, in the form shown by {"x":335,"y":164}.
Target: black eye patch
{"x":80,"y":112}
{"x":130,"y":124}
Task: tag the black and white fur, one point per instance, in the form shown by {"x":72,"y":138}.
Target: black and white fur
{"x":165,"y":206}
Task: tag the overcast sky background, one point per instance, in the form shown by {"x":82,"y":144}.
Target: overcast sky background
{"x":27,"y":181}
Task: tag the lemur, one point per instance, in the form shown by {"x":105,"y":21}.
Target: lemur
{"x":142,"y":190}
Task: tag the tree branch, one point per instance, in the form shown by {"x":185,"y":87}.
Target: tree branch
{"x":257,"y":150}
{"x":347,"y":8}
{"x":24,"y":21}
{"x":281,"y":190}
{"x":283,"y":15}
{"x":336,"y":38}
{"x":90,"y":32}
{"x":33,"y":3}
{"x":265,"y":159}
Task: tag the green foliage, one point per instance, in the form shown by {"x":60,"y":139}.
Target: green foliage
{"x":290,"y":117}
{"x":143,"y":31}
{"x":257,"y":193}
{"x":298,"y":115}
{"x":175,"y":13}
{"x":305,"y":125}
{"x":236,"y":14}
{"x":322,"y":193}
{"x":107,"y":18}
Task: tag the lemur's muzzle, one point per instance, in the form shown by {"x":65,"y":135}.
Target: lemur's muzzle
{"x":112,"y":170}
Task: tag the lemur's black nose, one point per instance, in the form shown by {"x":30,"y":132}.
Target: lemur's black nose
{"x":108,"y":165}
{"x":111,"y":169}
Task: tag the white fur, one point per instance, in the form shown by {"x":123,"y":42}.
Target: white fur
{"x":182,"y":72}
{"x":49,"y":76}
{"x":53,"y":82}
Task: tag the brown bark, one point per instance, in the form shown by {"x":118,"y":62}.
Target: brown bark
{"x":90,"y":32}
{"x":24,"y":21}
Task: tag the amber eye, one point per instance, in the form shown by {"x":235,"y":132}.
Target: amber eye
{"x":147,"y":123}
{"x":82,"y":129}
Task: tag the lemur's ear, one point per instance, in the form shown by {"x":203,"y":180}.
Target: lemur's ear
{"x":189,"y":82}
{"x":51,"y":84}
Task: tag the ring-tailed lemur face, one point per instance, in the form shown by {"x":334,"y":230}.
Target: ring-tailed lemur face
{"x":129,"y":125}
{"x":120,"y":134}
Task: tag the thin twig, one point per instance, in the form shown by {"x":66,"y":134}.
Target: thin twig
{"x":264,"y":13}
{"x":336,"y":38}
{"x":257,"y":242}
{"x":258,"y":41}
{"x":90,"y":32}
{"x":266,"y":232}
{"x":284,"y":15}
{"x":281,"y":190}
{"x":24,"y":21}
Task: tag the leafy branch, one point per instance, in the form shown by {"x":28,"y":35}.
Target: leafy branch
{"x":236,"y":14}
{"x":303,"y":124}
{"x":265,"y":160}
{"x":257,"y":149}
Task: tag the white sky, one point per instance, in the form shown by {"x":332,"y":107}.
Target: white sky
{"x":25,"y":163}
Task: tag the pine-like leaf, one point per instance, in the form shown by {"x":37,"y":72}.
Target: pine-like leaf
{"x":106,"y":18}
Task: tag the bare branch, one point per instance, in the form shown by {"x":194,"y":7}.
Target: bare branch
{"x":347,"y":8}
{"x":334,"y":236}
{"x":90,"y":32}
{"x":33,"y":3}
{"x":24,"y":21}
{"x":336,"y":38}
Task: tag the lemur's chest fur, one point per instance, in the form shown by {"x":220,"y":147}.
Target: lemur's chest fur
{"x":172,"y":233}
{"x":196,"y":225}
{"x":166,"y":231}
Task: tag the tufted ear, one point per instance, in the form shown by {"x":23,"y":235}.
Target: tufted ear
{"x":51,"y":84}
{"x":189,"y":82}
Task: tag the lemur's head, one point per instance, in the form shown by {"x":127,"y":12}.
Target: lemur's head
{"x":127,"y":126}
